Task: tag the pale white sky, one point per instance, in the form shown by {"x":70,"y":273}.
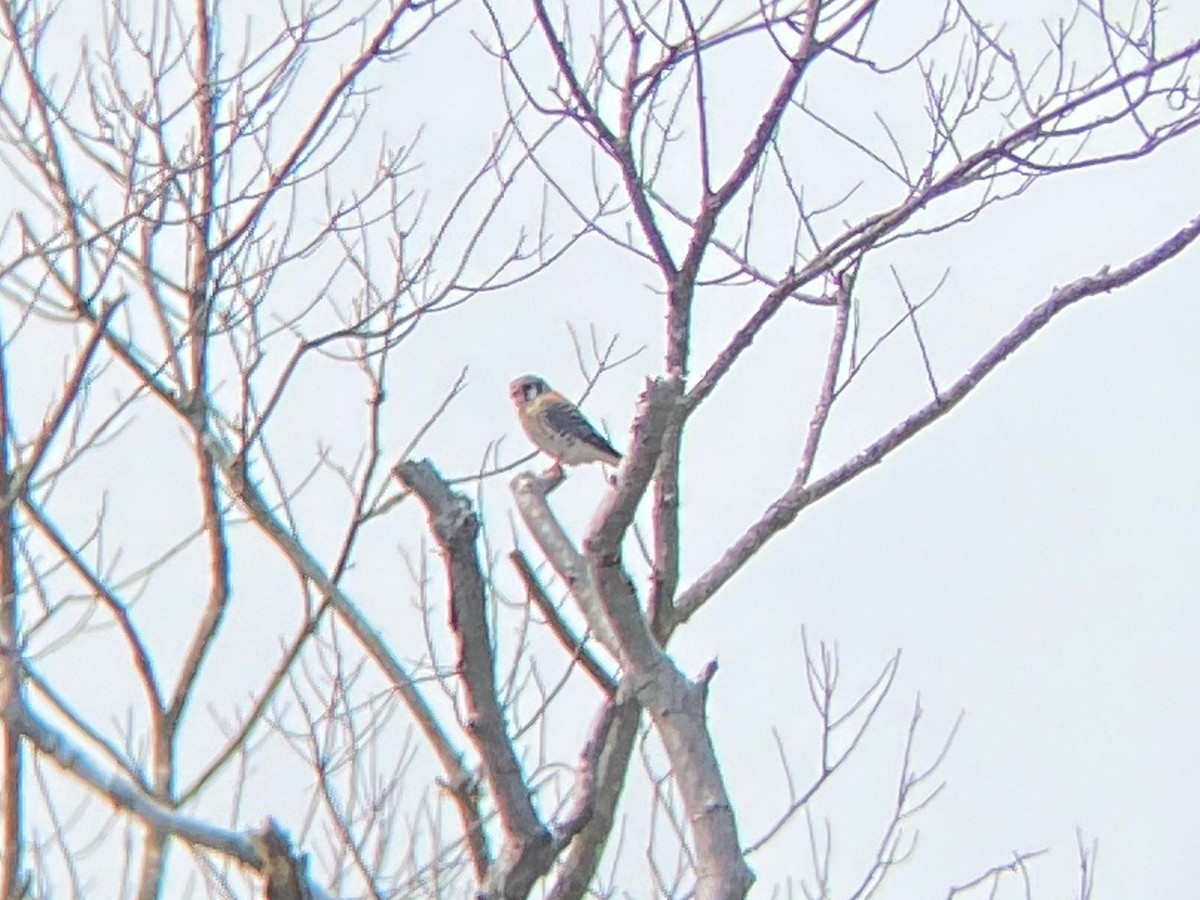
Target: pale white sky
{"x":1035,"y":555}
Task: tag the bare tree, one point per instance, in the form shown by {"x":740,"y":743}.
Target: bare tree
{"x":203,"y":619}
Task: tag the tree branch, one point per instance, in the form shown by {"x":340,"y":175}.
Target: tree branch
{"x":783,"y":511}
{"x":11,"y":834}
{"x":125,"y":795}
{"x":607,"y":756}
{"x":529,"y":494}
{"x":676,"y":705}
{"x":573,"y":644}
{"x":527,"y":853}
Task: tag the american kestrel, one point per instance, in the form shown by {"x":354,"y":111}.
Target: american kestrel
{"x":556,"y":425}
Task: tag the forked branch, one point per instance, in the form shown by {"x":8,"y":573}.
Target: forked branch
{"x":783,"y":511}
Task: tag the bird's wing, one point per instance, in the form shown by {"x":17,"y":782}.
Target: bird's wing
{"x":566,"y":418}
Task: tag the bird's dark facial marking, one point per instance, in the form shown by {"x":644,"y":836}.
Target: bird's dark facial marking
{"x":523,"y":390}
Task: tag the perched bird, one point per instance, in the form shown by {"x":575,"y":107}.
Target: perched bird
{"x":556,"y":425}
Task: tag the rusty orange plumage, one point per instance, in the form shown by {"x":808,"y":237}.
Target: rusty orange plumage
{"x":556,"y":425}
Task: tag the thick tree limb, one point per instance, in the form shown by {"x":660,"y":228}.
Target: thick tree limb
{"x":529,"y":493}
{"x":676,"y":705}
{"x":527,"y":852}
{"x":12,"y":853}
{"x":660,"y":606}
{"x":659,"y":408}
{"x":605,"y":764}
{"x":286,"y":873}
{"x":572,"y":566}
{"x":458,"y":779}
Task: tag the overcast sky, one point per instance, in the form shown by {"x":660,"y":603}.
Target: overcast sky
{"x":1035,"y":555}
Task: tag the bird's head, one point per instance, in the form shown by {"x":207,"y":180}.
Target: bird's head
{"x":526,"y":388}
